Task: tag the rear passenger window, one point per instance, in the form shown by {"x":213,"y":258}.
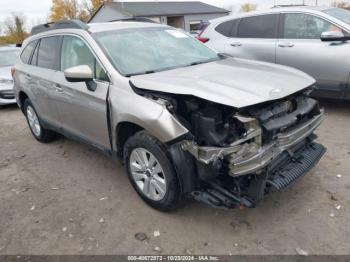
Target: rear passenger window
{"x":228,"y":28}
{"x":263,"y":26}
{"x":35,"y":56}
{"x":48,"y":50}
{"x":27,"y":52}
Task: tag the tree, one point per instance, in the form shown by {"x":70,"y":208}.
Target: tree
{"x":68,"y":9}
{"x":247,"y":7}
{"x":341,"y":4}
{"x":14,"y":29}
{"x":92,"y":5}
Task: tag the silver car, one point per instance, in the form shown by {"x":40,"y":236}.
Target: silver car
{"x":311,"y":39}
{"x":188,"y":123}
{"x":8,"y":57}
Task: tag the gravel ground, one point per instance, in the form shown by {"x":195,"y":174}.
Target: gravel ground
{"x":65,"y":198}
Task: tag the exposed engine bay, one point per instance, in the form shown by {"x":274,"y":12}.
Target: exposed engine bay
{"x":242,"y":154}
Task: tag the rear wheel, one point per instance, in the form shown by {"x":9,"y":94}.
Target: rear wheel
{"x":151,"y":173}
{"x":39,"y":132}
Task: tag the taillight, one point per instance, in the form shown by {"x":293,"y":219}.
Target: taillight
{"x":202,"y":39}
{"x":13,"y":71}
{"x":199,"y":37}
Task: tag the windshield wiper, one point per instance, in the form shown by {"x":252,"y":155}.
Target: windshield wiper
{"x":173,"y":67}
{"x":203,"y":62}
{"x":141,"y":73}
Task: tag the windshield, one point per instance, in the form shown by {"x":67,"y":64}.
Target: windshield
{"x":148,"y":50}
{"x":8,"y":58}
{"x":341,"y":14}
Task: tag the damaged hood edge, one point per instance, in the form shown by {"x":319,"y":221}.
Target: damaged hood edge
{"x":233,"y":82}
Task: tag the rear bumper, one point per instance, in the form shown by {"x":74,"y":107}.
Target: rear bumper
{"x":4,"y":102}
{"x":7,"y":96}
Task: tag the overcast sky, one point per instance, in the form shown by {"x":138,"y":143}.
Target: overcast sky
{"x":37,"y":11}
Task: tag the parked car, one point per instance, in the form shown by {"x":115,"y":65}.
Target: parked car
{"x":8,"y":57}
{"x":312,"y":39}
{"x":186,"y":121}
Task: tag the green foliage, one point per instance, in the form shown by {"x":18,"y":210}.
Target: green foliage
{"x":14,"y":30}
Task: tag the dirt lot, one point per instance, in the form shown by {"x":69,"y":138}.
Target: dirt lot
{"x":65,"y":198}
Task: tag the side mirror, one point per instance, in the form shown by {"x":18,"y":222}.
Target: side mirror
{"x":333,"y":36}
{"x":82,"y":73}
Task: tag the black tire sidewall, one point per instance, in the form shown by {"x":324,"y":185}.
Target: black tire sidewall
{"x":172,"y":197}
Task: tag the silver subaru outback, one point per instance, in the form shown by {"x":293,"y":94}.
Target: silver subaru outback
{"x":187,"y":122}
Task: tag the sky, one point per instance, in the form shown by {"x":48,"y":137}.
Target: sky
{"x":37,"y":11}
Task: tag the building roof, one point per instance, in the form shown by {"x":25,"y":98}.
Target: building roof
{"x":156,"y":8}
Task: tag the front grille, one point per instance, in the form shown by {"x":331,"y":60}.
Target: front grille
{"x":8,"y":94}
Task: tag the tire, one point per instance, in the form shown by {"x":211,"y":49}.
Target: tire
{"x":160,"y":177}
{"x":39,"y":132}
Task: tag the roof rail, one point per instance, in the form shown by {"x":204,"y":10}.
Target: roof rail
{"x":279,"y":6}
{"x":63,"y":24}
{"x":134,"y":19}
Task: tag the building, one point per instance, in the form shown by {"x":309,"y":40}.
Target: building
{"x":185,"y":15}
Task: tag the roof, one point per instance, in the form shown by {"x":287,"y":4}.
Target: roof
{"x":156,"y":8}
{"x":277,"y":9}
{"x":120,"y":25}
{"x":302,"y":8}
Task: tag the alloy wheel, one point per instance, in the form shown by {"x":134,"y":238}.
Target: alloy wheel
{"x":148,"y":174}
{"x":33,"y":121}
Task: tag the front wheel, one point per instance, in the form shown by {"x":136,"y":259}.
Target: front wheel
{"x":151,"y":173}
{"x":39,"y":132}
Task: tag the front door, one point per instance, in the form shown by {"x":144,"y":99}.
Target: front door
{"x":254,"y":38}
{"x":83,"y":112}
{"x":300,"y":47}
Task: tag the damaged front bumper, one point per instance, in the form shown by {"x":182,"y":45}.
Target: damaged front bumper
{"x":254,"y":169}
{"x":284,"y":171}
{"x":246,"y":156}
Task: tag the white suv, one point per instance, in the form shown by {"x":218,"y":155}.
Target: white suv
{"x":311,"y":39}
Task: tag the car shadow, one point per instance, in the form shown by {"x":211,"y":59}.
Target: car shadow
{"x":334,"y":105}
{"x":11,"y":107}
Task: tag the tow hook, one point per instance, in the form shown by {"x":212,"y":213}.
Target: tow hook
{"x":218,"y":196}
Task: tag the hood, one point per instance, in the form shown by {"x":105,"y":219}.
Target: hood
{"x":5,"y":73}
{"x":233,"y":82}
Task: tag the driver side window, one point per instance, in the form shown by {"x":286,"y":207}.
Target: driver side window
{"x":304,"y":26}
{"x":75,"y":52}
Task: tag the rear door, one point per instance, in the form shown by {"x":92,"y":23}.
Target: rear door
{"x":300,"y":47}
{"x":22,"y":77}
{"x":255,"y":38}
{"x":39,"y":74}
{"x":83,"y":112}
